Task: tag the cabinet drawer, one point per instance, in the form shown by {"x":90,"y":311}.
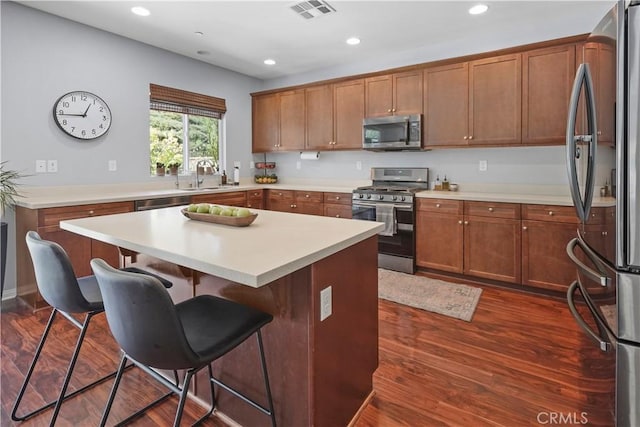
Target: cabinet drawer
{"x":254,"y":194}
{"x":308,"y":196}
{"x":337,"y":211}
{"x":338,"y":198}
{"x":493,"y":210}
{"x":51,"y":217}
{"x":440,"y":205}
{"x":279,"y":195}
{"x":552,"y":213}
{"x":234,"y":198}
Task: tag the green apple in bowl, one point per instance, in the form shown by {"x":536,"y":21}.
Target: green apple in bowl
{"x":215,"y":210}
{"x":203,"y":208}
{"x":242,"y":212}
{"x":192,"y":208}
{"x":226,"y":212}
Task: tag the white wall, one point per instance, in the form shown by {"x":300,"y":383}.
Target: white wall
{"x":44,"y":56}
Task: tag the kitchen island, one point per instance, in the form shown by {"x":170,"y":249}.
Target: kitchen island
{"x":320,"y":367}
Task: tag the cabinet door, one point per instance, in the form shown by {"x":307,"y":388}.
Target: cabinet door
{"x":439,"y":239}
{"x":280,"y":200}
{"x":319,"y":111}
{"x":265,"y":123}
{"x":495,"y":93}
{"x":379,"y":96}
{"x":348,"y":114}
{"x":547,"y":80}
{"x":292,"y":120}
{"x":77,"y":247}
{"x":407,"y":93}
{"x":255,"y":199}
{"x":545,"y":263}
{"x":446,"y":105}
{"x":492,"y":248}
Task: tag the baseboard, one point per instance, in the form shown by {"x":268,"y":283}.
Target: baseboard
{"x":366,"y":402}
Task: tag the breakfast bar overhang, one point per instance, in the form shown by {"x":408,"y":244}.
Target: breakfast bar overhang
{"x":320,"y":370}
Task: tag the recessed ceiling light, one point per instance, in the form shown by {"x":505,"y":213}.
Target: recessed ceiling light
{"x":199,"y":33}
{"x":353,"y":41}
{"x":478,"y":9}
{"x":203,"y":52}
{"x":269,"y":62}
{"x":141,"y":11}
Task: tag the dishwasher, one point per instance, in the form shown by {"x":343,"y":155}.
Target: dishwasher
{"x":162,"y":202}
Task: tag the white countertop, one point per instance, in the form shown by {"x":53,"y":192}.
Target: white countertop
{"x":274,"y":245}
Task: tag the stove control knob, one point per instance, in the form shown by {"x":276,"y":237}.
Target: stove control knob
{"x":361,"y":195}
{"x":402,"y":198}
{"x":368,"y":196}
{"x":395,"y":198}
{"x":380,"y":197}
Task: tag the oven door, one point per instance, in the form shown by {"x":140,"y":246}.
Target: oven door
{"x":402,"y":242}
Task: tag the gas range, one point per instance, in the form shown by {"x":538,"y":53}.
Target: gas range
{"x":393,"y":185}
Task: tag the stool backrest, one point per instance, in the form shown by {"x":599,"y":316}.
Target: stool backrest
{"x":143,"y":319}
{"x":55,"y":278}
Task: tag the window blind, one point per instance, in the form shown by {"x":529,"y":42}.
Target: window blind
{"x":165,"y":98}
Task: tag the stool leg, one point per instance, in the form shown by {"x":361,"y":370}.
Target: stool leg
{"x":25,"y":383}
{"x":266,"y":380}
{"x":183,"y":397}
{"x":114,"y":389}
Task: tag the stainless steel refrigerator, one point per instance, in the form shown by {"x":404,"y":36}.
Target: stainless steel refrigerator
{"x":607,"y":249}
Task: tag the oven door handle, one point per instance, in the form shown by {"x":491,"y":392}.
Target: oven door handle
{"x":602,"y":343}
{"x":599,"y":276}
{"x":373,"y":205}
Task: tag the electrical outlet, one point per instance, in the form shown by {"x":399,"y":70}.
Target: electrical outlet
{"x":298,"y":165}
{"x":41,"y":166}
{"x":52,"y":166}
{"x":325,"y":303}
{"x":236,"y":164}
{"x":359,"y":165}
{"x":482,"y":166}
{"x":113,"y":166}
{"x":252,"y":165}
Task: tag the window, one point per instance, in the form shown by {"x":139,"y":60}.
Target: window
{"x":184,"y":128}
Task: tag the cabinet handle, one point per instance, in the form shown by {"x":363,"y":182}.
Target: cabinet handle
{"x":306,"y":195}
{"x":599,"y":132}
{"x":604,"y":233}
{"x":524,"y":227}
{"x":490,"y":209}
{"x":279,"y":194}
{"x":466,"y":223}
{"x":90,"y":212}
{"x":437,"y":205}
{"x":337,"y":197}
{"x":337,"y":215}
{"x":470,"y":136}
{"x":550,"y":213}
{"x":389,"y":110}
{"x":460,"y":221}
{"x":466,"y":137}
{"x":393,"y":110}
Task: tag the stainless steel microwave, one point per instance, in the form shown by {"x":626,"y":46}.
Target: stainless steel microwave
{"x":392,"y":133}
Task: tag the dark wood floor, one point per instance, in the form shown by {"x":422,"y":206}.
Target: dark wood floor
{"x":520,"y":362}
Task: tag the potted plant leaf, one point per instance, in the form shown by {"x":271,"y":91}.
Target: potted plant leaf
{"x":8,"y":193}
{"x":160,"y":169}
{"x":173,"y":168}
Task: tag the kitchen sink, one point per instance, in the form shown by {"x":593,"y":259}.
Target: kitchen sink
{"x":198,"y":189}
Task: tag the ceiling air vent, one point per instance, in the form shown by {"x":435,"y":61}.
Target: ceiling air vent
{"x":313,"y":8}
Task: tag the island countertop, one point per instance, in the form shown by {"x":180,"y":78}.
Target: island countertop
{"x":274,"y":245}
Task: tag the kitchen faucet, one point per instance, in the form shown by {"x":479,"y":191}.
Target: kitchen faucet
{"x":202,"y":163}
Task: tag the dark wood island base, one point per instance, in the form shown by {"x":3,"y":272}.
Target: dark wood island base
{"x":320,"y":371}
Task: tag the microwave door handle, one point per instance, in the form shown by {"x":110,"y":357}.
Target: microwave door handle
{"x":599,"y":276}
{"x":602,"y":343}
{"x":406,"y":132}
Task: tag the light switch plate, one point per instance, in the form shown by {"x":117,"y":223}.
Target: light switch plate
{"x":41,"y":166}
{"x":359,"y":165}
{"x":325,"y":303}
{"x":52,"y":166}
{"x":113,"y":166}
{"x":482,"y":166}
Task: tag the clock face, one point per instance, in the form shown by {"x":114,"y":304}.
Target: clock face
{"x":82,"y":115}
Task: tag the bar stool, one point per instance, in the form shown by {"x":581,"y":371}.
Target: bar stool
{"x":67,"y":295}
{"x":154,"y":333}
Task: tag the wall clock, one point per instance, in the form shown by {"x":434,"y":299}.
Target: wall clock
{"x":82,"y":115}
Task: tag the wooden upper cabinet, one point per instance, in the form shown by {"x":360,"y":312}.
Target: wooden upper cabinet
{"x":265,"y":122}
{"x":602,"y":63}
{"x":292,"y":120}
{"x":495,"y":94}
{"x":446,"y":105}
{"x":348,"y":113}
{"x":319,"y":114}
{"x":394,"y":94}
{"x":547,"y":80}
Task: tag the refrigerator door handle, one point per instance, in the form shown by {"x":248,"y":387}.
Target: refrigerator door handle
{"x":603,"y":344}
{"x":601,"y":275}
{"x":583,"y":206}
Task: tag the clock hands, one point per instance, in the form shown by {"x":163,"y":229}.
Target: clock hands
{"x":77,"y":115}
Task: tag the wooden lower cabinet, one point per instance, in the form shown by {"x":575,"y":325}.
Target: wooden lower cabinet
{"x":439,"y":235}
{"x":234,"y":198}
{"x":304,"y":202}
{"x":255,"y":199}
{"x":280,"y":200}
{"x":337,"y":205}
{"x":80,"y":249}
